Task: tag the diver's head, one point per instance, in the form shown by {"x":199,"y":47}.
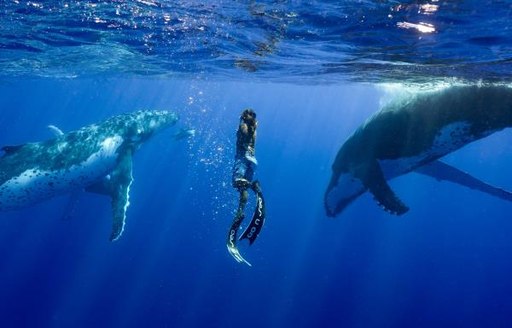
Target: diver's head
{"x":248,"y":116}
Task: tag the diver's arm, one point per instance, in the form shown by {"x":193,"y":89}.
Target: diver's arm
{"x":244,"y":128}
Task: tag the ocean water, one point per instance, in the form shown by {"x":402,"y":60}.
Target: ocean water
{"x":313,"y":72}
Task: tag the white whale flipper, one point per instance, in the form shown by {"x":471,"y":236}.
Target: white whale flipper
{"x":117,"y":186}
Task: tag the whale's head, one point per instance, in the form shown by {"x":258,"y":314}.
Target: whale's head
{"x":139,"y":126}
{"x":345,"y":184}
{"x":342,"y":190}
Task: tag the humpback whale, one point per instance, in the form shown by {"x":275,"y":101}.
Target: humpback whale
{"x":411,"y":135}
{"x":97,"y":158}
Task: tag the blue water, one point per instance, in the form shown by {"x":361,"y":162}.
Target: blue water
{"x":313,"y":72}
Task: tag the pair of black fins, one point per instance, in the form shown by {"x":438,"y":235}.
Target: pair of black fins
{"x":253,"y":229}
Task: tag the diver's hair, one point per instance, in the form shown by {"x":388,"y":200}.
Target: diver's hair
{"x":247,"y":112}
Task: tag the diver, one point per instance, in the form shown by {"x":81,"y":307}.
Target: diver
{"x":243,"y":172}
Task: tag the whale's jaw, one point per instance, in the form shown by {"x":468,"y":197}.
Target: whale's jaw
{"x":342,"y":192}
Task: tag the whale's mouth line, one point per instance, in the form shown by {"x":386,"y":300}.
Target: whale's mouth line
{"x":341,"y":193}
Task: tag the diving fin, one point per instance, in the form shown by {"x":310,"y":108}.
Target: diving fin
{"x":258,"y":219}
{"x":237,"y":256}
{"x":231,"y":242}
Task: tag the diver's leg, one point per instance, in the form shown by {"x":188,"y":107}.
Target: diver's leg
{"x":244,"y":195}
{"x":240,"y":179}
{"x":255,"y":186}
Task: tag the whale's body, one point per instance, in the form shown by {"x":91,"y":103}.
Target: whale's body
{"x":412,"y":135}
{"x":97,"y":158}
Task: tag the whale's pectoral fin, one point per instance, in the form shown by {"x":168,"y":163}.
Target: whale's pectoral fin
{"x":371,"y":175}
{"x":231,"y":241}
{"x":442,"y":171}
{"x":121,"y":180}
{"x":117,"y":186}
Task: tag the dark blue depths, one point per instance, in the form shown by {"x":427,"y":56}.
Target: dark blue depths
{"x":445,"y":263}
